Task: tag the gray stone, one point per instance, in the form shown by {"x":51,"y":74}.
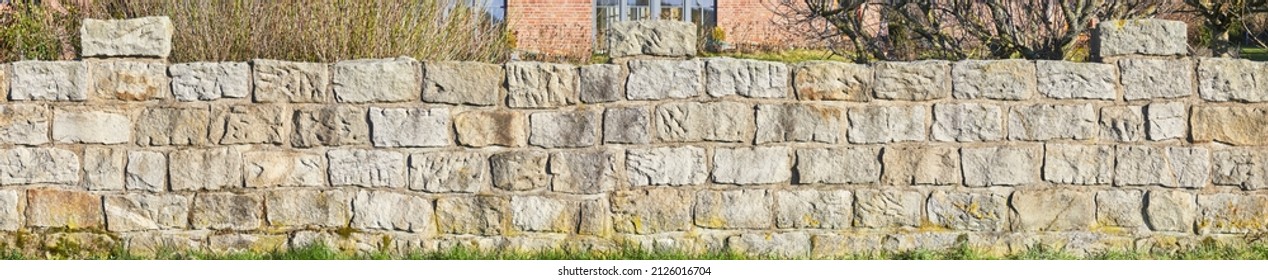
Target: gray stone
{"x":652,"y":210}
{"x":673,"y":166}
{"x":88,"y":127}
{"x":367,"y":168}
{"x":884,"y":124}
{"x":144,"y":37}
{"x":146,"y":171}
{"x":790,"y":245}
{"x":49,"y":81}
{"x":155,"y":243}
{"x":967,"y":122}
{"x":1123,"y":123}
{"x":56,"y":208}
{"x":410,"y":127}
{"x":716,"y":121}
{"x":971,"y":211}
{"x":479,"y":215}
{"x":1078,"y":164}
{"x":1052,"y":210}
{"x":330,"y":126}
{"x":452,"y":172}
{"x":283,"y":169}
{"x":376,"y":80}
{"x":104,"y":168}
{"x":748,"y":78}
{"x":10,"y":210}
{"x":583,"y":172}
{"x":520,"y":170}
{"x":250,"y":124}
{"x":207,"y":81}
{"x":665,"y":79}
{"x":821,"y":209}
{"x":567,"y":129}
{"x":1234,"y":213}
{"x":1141,"y":36}
{"x":205,"y":169}
{"x":129,"y":81}
{"x":1174,"y":167}
{"x":1244,"y":168}
{"x":24,"y":124}
{"x":1157,"y":78}
{"x":1172,"y":211}
{"x":491,"y":128}
{"x":921,"y":165}
{"x":1072,"y":80}
{"x":887,"y":208}
{"x":792,"y":122}
{"x":740,"y":209}
{"x":751,"y":166}
{"x":855,"y":165}
{"x":544,"y":214}
{"x":651,"y":37}
{"x":1042,"y":122}
{"x":1001,"y":165}
{"x":1166,"y":121}
{"x":601,"y":83}
{"x":1120,"y":209}
{"x":830,"y":80}
{"x":626,"y":125}
{"x":300,"y":208}
{"x":463,"y":82}
{"x":392,"y":211}
{"x":286,"y":81}
{"x":1229,"y":79}
{"x":21,"y":166}
{"x":541,"y":85}
{"x":1008,"y":79}
{"x":1238,"y":126}
{"x":913,"y":81}
{"x":134,"y":212}
{"x":226,"y":211}
{"x":177,"y":126}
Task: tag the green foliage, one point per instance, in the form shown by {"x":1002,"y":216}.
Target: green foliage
{"x":28,"y":31}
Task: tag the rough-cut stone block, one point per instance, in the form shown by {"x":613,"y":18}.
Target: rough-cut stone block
{"x":1175,"y":167}
{"x":63,"y":209}
{"x":161,"y":126}
{"x":1166,"y":120}
{"x":914,"y":81}
{"x":830,"y":80}
{"x":970,"y":211}
{"x":145,"y":37}
{"x":1001,"y":165}
{"x":226,"y":211}
{"x":49,"y":81}
{"x":1245,"y":168}
{"x":1120,"y":209}
{"x":1009,"y":79}
{"x":583,"y":172}
{"x":887,"y":208}
{"x":392,"y":211}
{"x":480,"y":215}
{"x":330,"y":126}
{"x":750,"y":166}
{"x":717,"y":121}
{"x":1227,"y":79}
{"x":21,"y":166}
{"x":569,"y":129}
{"x":883,"y":124}
{"x":491,"y":128}
{"x":674,"y":166}
{"x":821,"y":209}
{"x":654,"y":210}
{"x":1240,"y":126}
{"x":376,"y":80}
{"x":741,"y":209}
{"x":4,"y":81}
{"x":626,"y":125}
{"x":748,"y":78}
{"x":207,"y":81}
{"x":520,"y":170}
{"x":463,"y":82}
{"x":250,"y":124}
{"x":1235,"y":213}
{"x":1078,"y":164}
{"x":24,"y":124}
{"x":665,"y":79}
{"x":544,"y":214}
{"x":1172,"y":211}
{"x":1157,"y":78}
{"x":799,"y":123}
{"x":455,"y":172}
{"x":1052,"y":210}
{"x":285,"y":169}
{"x":1123,"y":123}
{"x":367,"y":168}
{"x":11,"y":210}
{"x":1043,"y":122}
{"x":286,"y":81}
{"x":921,"y":165}
{"x":1072,"y":80}
{"x":857,"y":165}
{"x":410,"y":127}
{"x":88,"y":127}
{"x":302,"y":208}
{"x":242,"y":242}
{"x":133,"y":212}
{"x":205,"y":169}
{"x":129,"y":81}
{"x":601,"y":83}
{"x":104,"y":167}
{"x":790,"y":245}
{"x":1141,"y":36}
{"x":540,"y":85}
{"x":651,"y":37}
{"x":967,"y":122}
{"x":146,"y":171}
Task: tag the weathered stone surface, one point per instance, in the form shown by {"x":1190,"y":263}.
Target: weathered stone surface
{"x":651,"y":37}
{"x":664,"y":79}
{"x":250,"y":124}
{"x":830,"y":80}
{"x":410,"y":127}
{"x":1052,"y":210}
{"x":479,"y":215}
{"x":856,"y":165}
{"x":1157,"y":78}
{"x":716,"y":121}
{"x":1176,"y":167}
{"x":799,"y":123}
{"x":11,"y":210}
{"x":887,"y":208}
{"x":330,"y":126}
{"x":452,"y":172}
{"x":883,"y":124}
{"x":226,"y":211}
{"x":129,"y":81}
{"x":653,"y":210}
{"x":161,"y":126}
{"x":749,"y":166}
{"x":1123,"y":123}
{"x":392,"y":211}
{"x":1141,"y":36}
{"x":791,"y":245}
{"x":1072,"y":80}
{"x":1230,"y":213}
{"x":740,"y":209}
{"x":205,"y":169}
{"x":23,"y":124}
{"x":972,"y":211}
{"x":20,"y":166}
{"x":1001,"y":165}
{"x":915,"y":81}
{"x":967,"y":122}
{"x":63,"y":209}
{"x":491,"y":128}
{"x":544,"y":214}
{"x":1120,"y":209}
{"x":673,"y":166}
{"x":301,"y":208}
{"x":133,"y":212}
{"x":601,"y":83}
{"x":748,"y":78}
{"x":921,"y":165}
{"x":146,"y":171}
{"x":367,"y":168}
{"x":626,"y":125}
{"x":1166,"y":120}
{"x":242,"y":242}
{"x":146,"y":37}
{"x":541,"y":85}
{"x":1078,"y":164}
{"x":568,"y":129}
{"x":583,"y":172}
{"x":1008,"y":79}
{"x":1228,"y":79}
{"x":4,"y":80}
{"x":286,"y":81}
{"x":83,"y":126}
{"x":822,"y":209}
{"x":283,"y":169}
{"x":155,"y":243}
{"x":1245,"y":168}
{"x":1170,"y":211}
{"x":463,"y":82}
{"x":49,"y":81}
{"x":1239,"y":126}
{"x":376,"y":80}
{"x":104,"y":167}
{"x":207,"y":81}
{"x":1042,"y":122}
{"x":520,"y":170}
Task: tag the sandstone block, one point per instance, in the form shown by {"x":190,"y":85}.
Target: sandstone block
{"x":1239,"y":126}
{"x":283,"y":169}
{"x":301,"y":208}
{"x":491,"y":128}
{"x":330,"y":126}
{"x":21,"y":166}
{"x":250,"y":124}
{"x":177,"y":126}
{"x":48,"y":81}
{"x":541,"y":85}
{"x":1052,"y":210}
{"x":293,"y":82}
{"x":520,"y":170}
{"x":791,"y":245}
{"x":454,"y":172}
{"x":857,"y":165}
{"x":1001,"y":165}
{"x":569,"y":129}
{"x":1008,"y":79}
{"x":1157,"y":78}
{"x":104,"y":168}
{"x":544,"y":214}
{"x":1233,"y":213}
{"x":1245,"y":168}
{"x":84,"y":127}
{"x":1042,"y":122}
{"x":716,"y":121}
{"x":1123,"y":123}
{"x":1141,"y":36}
{"x":23,"y":124}
{"x":673,"y":166}
{"x":1166,"y":120}
{"x":921,"y":165}
{"x":1228,"y":79}
{"x":393,"y":211}
{"x":376,"y":80}
{"x":821,"y":209}
{"x":11,"y":210}
{"x":1120,"y":209}
{"x":626,"y":125}
{"x":206,"y":169}
{"x":664,"y":79}
{"x":749,"y":166}
{"x":1078,"y":164}
{"x":1175,"y":167}
{"x":207,"y":81}
{"x":146,"y":171}
{"x":63,"y":209}
{"x":601,"y":83}
{"x":243,"y":242}
{"x":367,"y":168}
{"x":967,"y":122}
{"x":1172,"y":211}
{"x":479,"y":215}
{"x":135,"y":212}
{"x":226,"y":211}
{"x":913,"y":81}
{"x":129,"y":81}
{"x":1071,"y":80}
{"x":747,"y":78}
{"x":971,"y":211}
{"x":583,"y":172}
{"x":829,"y":80}
{"x":799,"y":123}
{"x":463,"y":82}
{"x":884,"y":124}
{"x":887,"y":208}
{"x":145,"y":37}
{"x":741,"y":209}
{"x":410,"y":127}
{"x":653,"y":210}
{"x":652,"y":37}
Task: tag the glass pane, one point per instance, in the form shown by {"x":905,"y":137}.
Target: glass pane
{"x":672,"y":3}
{"x":671,"y":13}
{"x":639,"y":2}
{"x":607,"y":2}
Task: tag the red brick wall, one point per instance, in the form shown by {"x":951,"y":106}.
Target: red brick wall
{"x":552,"y":26}
{"x":757,"y":22}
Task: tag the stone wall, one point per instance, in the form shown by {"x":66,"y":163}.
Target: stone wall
{"x":1152,"y":150}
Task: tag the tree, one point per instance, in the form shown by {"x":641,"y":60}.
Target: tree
{"x":1221,"y":17}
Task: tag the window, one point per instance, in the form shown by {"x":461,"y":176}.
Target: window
{"x":704,"y":13}
{"x":496,"y":9}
